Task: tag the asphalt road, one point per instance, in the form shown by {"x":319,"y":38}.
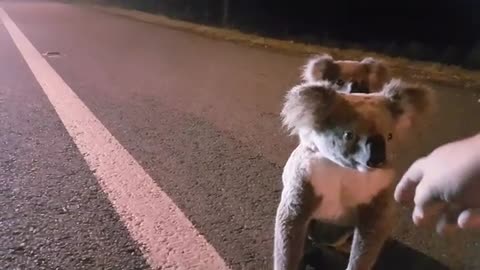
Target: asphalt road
{"x":199,"y":115}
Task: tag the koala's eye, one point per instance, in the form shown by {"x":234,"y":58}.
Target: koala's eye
{"x":389,"y":136}
{"x":340,"y":82}
{"x":348,"y":136}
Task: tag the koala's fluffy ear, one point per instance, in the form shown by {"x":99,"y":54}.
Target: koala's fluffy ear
{"x":320,"y":67}
{"x":306,"y":105}
{"x":409,"y":103}
{"x":378,"y":68}
{"x":371,"y":61}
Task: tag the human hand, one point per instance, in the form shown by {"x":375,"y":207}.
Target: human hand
{"x":445,"y":186}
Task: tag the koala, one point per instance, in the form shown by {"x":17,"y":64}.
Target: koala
{"x":343,"y":170}
{"x":365,"y":76}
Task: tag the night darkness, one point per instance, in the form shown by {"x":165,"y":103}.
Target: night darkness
{"x":442,"y":31}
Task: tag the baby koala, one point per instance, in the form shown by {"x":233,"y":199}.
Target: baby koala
{"x":365,"y":76}
{"x":342,"y":171}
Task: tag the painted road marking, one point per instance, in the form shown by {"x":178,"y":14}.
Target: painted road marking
{"x":167,"y":238}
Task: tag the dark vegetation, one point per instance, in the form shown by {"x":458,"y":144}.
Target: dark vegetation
{"x":442,"y":31}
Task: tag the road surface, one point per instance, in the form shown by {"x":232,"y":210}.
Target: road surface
{"x":193,"y":125}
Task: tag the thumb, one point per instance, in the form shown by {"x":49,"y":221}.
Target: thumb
{"x":469,"y":219}
{"x":405,"y":189}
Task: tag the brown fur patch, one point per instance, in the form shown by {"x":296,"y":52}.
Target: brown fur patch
{"x":395,"y":110}
{"x":368,"y":75}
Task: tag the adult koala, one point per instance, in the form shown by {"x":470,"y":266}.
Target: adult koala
{"x":342,"y":171}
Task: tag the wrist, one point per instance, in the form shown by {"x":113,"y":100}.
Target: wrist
{"x":476,"y":145}
{"x":476,"y":140}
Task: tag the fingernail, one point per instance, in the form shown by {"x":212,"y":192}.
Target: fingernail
{"x":417,"y":216}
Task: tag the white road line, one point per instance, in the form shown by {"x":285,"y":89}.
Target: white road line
{"x":166,"y":236}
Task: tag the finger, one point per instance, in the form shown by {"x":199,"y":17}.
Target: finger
{"x":428,"y":214}
{"x":446,"y":229}
{"x":469,"y":219}
{"x":405,"y":189}
{"x":447,"y":223}
{"x":428,"y":207}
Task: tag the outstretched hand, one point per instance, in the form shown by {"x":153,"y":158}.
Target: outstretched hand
{"x":444,"y":187}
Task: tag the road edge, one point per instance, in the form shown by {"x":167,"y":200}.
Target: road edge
{"x":429,"y":72}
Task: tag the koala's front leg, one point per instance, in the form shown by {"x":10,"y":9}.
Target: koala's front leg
{"x":293,"y":215}
{"x":371,"y":232}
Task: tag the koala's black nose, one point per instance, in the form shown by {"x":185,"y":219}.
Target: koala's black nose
{"x":357,"y":87}
{"x":376,"y":145}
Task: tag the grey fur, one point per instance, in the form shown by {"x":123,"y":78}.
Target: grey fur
{"x":319,"y":115}
{"x":367,"y":76}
